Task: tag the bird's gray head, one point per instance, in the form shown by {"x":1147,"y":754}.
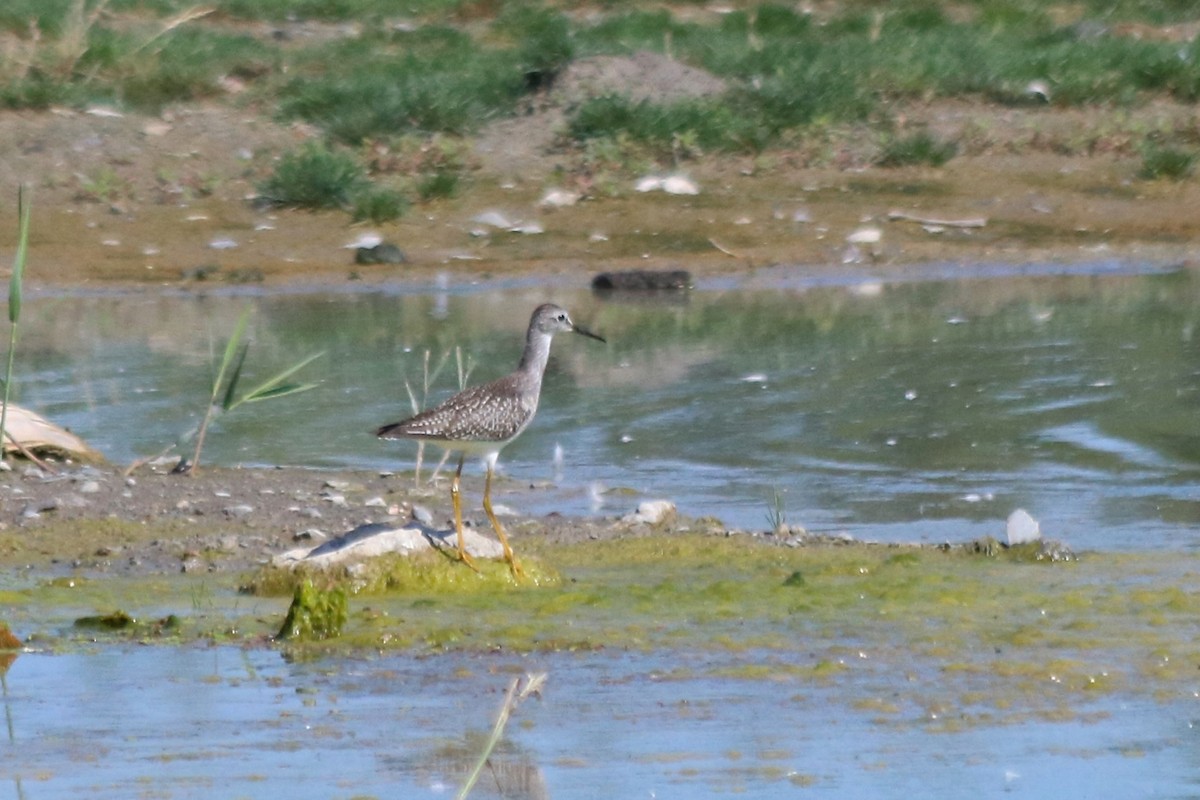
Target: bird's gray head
{"x":551,"y":319}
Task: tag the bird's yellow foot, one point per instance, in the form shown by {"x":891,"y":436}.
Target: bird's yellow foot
{"x":514,"y":565}
{"x":466,"y":559}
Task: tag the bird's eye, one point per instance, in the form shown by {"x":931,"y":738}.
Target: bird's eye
{"x":562,"y":317}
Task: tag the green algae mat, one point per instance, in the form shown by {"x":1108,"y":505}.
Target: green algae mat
{"x":1007,"y":633}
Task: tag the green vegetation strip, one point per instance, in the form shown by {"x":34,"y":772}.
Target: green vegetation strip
{"x":386,"y":85}
{"x":1121,"y":616}
{"x":953,"y":638}
{"x":450,"y":67}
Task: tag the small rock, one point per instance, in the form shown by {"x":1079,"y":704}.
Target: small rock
{"x":240,"y":510}
{"x":310,"y":512}
{"x":677,"y":184}
{"x":375,"y":502}
{"x":385,"y":253}
{"x":652,"y":512}
{"x":672,"y":184}
{"x":1038,"y":89}
{"x":1022,"y":528}
{"x":369,"y":541}
{"x":649,"y":183}
{"x":34,"y":510}
{"x":643,"y":280}
{"x":494,"y":219}
{"x":336,"y":485}
{"x":865,"y":236}
{"x":559,"y":198}
{"x":89,"y":487}
{"x":309,"y":535}
{"x":422,"y":514}
{"x":530,"y":228}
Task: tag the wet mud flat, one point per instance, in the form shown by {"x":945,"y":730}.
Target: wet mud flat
{"x":685,"y":657}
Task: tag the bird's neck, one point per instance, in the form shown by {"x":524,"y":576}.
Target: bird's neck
{"x":537,"y":353}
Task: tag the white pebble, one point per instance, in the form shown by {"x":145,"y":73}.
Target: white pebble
{"x":865,"y":236}
{"x":1022,"y":527}
{"x":651,"y":512}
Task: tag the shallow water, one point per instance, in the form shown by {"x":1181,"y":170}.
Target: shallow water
{"x":921,"y":410}
{"x":222,"y":722}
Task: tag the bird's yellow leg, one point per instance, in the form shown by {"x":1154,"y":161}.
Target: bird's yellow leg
{"x":456,"y":501}
{"x":509,"y":556}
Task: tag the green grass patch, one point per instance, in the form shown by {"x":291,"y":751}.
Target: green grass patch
{"x":1162,"y":161}
{"x":315,"y":177}
{"x":917,"y":149}
{"x":78,"y":56}
{"x":380,"y":205}
{"x":454,"y":66}
{"x":439,"y":184}
{"x":434,"y":80}
{"x":543,"y":41}
{"x":712,"y":124}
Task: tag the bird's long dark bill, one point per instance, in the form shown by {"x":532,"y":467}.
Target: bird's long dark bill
{"x":589,"y":334}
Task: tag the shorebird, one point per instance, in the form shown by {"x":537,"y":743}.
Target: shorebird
{"x":482,"y":419}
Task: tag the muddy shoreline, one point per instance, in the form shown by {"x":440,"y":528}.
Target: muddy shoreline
{"x":1028,"y":198}
{"x":96,"y":520}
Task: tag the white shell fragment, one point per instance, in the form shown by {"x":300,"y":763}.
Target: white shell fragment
{"x":558,"y":198}
{"x":366,"y":239}
{"x":671,"y":184}
{"x":939,"y":224}
{"x":651,"y":512}
{"x":865,"y":236}
{"x":501,"y":221}
{"x":493,"y":219}
{"x":103,"y":111}
{"x":677,"y":184}
{"x":1039,"y":89}
{"x":1022,"y":528}
{"x":650,"y":183}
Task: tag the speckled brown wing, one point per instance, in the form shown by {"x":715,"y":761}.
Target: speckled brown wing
{"x":491,"y":412}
